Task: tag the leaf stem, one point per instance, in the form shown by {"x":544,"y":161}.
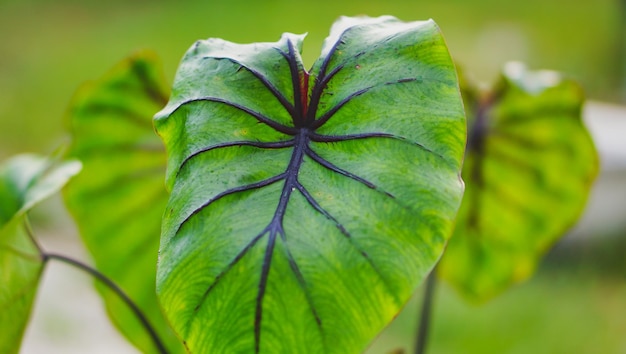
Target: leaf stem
{"x":427,"y":305}
{"x":117,"y":290}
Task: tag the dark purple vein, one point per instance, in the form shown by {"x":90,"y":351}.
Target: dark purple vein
{"x":257,"y":185}
{"x":258,"y":144}
{"x":265,"y":270}
{"x":348,"y":236}
{"x":327,"y":77}
{"x":305,"y":193}
{"x":310,"y":153}
{"x":276,"y":225}
{"x":321,"y":138}
{"x":329,"y":114}
{"x":295,"y":80}
{"x":258,"y":116}
{"x":331,"y":52}
{"x":326,"y":116}
{"x":281,"y":98}
{"x":230,"y":265}
{"x":296,"y":270}
{"x":321,"y":83}
{"x":402,"y":81}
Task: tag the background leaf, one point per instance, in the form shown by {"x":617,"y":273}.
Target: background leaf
{"x":529,"y":166}
{"x":25,"y":180}
{"x":119,"y":199}
{"x":306,"y":208}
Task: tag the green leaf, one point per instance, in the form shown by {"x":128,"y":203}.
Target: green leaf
{"x":20,"y":269}
{"x":25,"y":180}
{"x":307,"y":207}
{"x":529,"y":167}
{"x":119,"y":199}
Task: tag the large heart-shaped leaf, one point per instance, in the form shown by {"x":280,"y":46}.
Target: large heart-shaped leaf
{"x":529,"y":166}
{"x":307,"y":207}
{"x":25,"y":180}
{"x":119,"y":199}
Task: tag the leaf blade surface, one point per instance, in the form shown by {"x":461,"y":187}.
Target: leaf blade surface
{"x":281,"y":226}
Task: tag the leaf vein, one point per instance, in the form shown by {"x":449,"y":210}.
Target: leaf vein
{"x":265,"y":270}
{"x":301,"y":281}
{"x":328,"y":165}
{"x":321,"y":138}
{"x":275,"y":92}
{"x":258,"y":116}
{"x":247,"y":187}
{"x":326,"y":116}
{"x":230,"y":265}
{"x":258,"y":144}
{"x":348,"y":236}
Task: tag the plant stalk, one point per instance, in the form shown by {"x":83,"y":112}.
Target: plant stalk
{"x":427,"y":304}
{"x":118,"y":291}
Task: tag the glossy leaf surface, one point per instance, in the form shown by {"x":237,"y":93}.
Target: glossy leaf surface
{"x":25,"y":180}
{"x":119,"y":199}
{"x":528,"y":170}
{"x":307,"y":207}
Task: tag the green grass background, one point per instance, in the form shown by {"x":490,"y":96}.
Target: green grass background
{"x":48,"y":48}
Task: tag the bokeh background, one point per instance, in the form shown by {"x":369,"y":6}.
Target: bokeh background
{"x":577,"y":301}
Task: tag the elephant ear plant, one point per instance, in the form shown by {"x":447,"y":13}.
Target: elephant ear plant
{"x":307,"y":206}
{"x":301,"y":209}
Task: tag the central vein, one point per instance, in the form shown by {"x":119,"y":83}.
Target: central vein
{"x":275,"y":227}
{"x":301,"y":141}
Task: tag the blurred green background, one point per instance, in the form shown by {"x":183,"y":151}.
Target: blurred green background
{"x":50,"y":47}
{"x":576,"y":304}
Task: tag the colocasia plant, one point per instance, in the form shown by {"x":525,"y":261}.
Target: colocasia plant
{"x":302,"y":208}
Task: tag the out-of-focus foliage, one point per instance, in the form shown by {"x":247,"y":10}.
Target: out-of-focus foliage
{"x":52,"y":46}
{"x":528,"y":169}
{"x":119,"y":198}
{"x":25,"y":180}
